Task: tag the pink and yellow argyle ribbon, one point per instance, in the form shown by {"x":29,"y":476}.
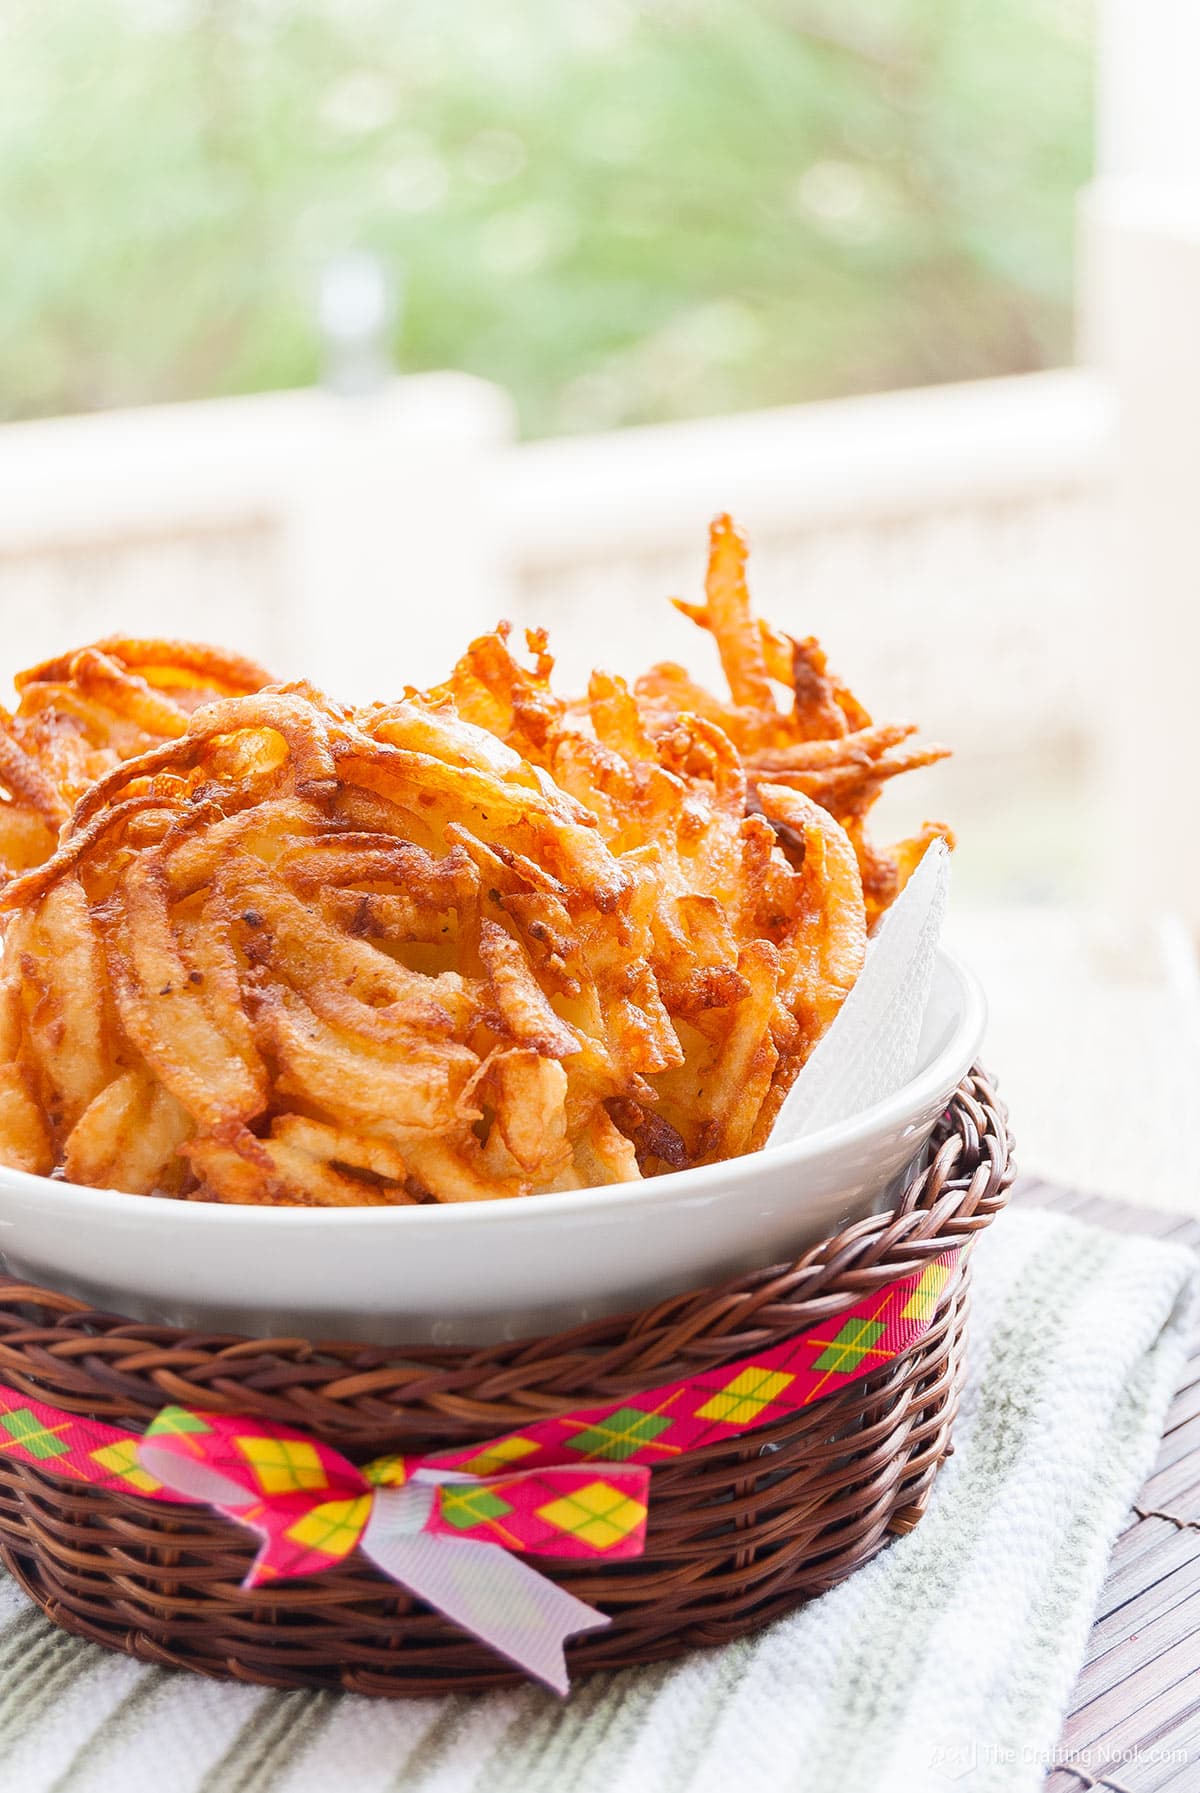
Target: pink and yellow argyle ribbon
{"x":576,"y":1485}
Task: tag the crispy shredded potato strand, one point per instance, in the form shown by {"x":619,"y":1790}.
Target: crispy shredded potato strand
{"x":481,"y":941}
{"x":81,"y":714}
{"x":823,"y":744}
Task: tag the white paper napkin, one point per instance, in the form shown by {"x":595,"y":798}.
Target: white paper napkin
{"x":871,"y":1049}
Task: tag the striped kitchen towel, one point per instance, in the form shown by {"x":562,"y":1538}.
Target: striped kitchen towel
{"x":947,"y":1662}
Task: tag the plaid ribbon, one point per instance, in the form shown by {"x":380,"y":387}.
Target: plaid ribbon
{"x":575,"y":1486}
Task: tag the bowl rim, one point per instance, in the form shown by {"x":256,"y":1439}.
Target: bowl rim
{"x":945,"y":1069}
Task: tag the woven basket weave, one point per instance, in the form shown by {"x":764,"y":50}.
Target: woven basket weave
{"x":738,"y":1533}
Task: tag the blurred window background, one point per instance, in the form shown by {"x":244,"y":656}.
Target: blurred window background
{"x":335,"y":328}
{"x":620,"y":211}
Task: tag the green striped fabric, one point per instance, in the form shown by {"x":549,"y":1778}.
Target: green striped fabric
{"x":946,"y":1662}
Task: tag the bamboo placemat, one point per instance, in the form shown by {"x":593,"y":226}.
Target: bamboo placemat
{"x":1134,"y":1721}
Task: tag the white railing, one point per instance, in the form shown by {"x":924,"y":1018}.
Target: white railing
{"x":288,"y":525}
{"x":935,"y":539}
{"x":314,"y":530}
{"x":849,"y":462}
{"x":943,"y":543}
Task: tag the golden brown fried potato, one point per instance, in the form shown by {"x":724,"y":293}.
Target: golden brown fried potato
{"x":823,"y":744}
{"x":479,"y":942}
{"x":221,"y":985}
{"x":82,"y":713}
{"x":748,"y":955}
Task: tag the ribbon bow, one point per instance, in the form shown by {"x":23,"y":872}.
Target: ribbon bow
{"x":454,"y":1527}
{"x":431,"y":1528}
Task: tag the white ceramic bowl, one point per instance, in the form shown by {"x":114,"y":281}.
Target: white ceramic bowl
{"x":482,"y":1271}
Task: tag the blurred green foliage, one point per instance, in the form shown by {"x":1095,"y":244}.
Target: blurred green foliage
{"x":621,"y":211}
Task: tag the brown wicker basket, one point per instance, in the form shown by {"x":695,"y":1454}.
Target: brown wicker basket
{"x":738,"y":1533}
